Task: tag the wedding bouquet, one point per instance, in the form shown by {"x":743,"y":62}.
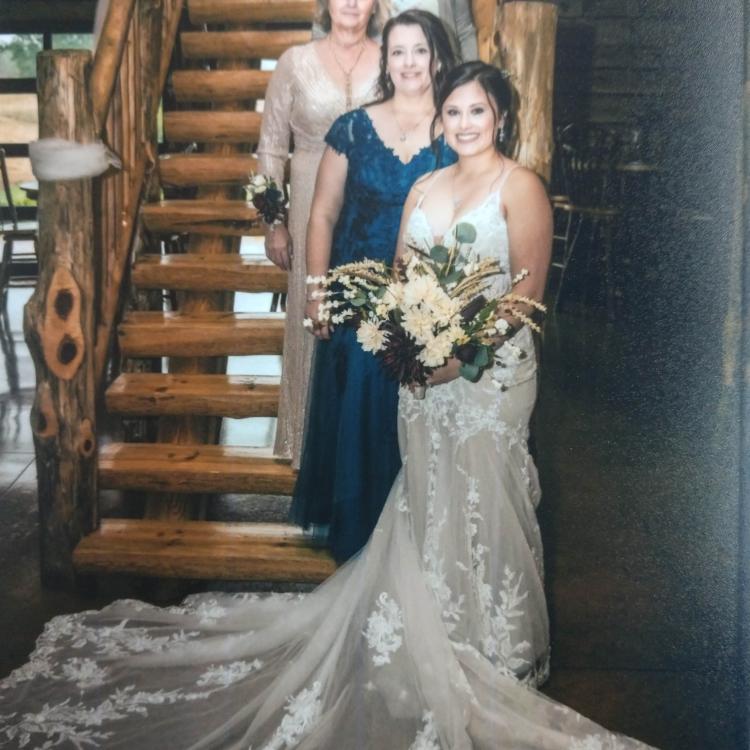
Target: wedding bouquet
{"x":433,"y":305}
{"x":268,"y":198}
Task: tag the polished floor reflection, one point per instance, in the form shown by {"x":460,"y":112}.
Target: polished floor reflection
{"x":643,"y":627}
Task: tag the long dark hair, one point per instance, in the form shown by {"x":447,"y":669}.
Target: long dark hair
{"x":500,"y":92}
{"x":442,"y":55}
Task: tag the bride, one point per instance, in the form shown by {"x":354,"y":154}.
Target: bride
{"x":433,"y":637}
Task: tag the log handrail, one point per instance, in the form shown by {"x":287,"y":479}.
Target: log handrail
{"x":130,"y":129}
{"x":108,"y":57}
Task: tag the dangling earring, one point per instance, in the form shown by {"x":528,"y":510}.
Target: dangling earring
{"x":500,"y":135}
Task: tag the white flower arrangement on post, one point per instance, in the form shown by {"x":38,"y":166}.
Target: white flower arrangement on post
{"x":431,"y":306}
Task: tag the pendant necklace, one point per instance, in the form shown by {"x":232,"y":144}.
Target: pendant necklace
{"x":404,"y":134}
{"x":347,"y":73}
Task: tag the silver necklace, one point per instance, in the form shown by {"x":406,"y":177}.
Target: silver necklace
{"x":404,"y":134}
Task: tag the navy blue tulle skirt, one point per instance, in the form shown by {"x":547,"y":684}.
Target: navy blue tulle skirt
{"x":350,"y":455}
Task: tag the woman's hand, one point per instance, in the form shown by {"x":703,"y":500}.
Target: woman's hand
{"x":320,"y":330}
{"x":279,"y":246}
{"x":449,"y":371}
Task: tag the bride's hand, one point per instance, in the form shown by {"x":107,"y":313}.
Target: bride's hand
{"x":449,"y":371}
{"x":319,"y":330}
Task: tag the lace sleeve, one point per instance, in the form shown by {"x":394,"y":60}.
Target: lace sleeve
{"x":340,"y":136}
{"x":275,"y":130}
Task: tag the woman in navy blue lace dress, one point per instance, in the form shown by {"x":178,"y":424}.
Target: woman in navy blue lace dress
{"x":350,"y":454}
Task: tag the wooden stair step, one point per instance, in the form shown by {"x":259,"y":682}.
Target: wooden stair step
{"x":207,"y":334}
{"x":156,"y":394}
{"x":189,"y":469}
{"x":227,"y":217}
{"x":250,"y":45}
{"x":219,"y":86}
{"x":250,"y":11}
{"x":203,"y":549}
{"x":208,"y":273}
{"x":212,"y":127}
{"x":206,"y":169}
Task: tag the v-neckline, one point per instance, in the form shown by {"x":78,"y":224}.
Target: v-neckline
{"x":389,"y":148}
{"x":339,"y":90}
{"x":462,"y":218}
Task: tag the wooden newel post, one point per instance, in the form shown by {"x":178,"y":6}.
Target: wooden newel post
{"x":526,"y":46}
{"x":59,"y":327}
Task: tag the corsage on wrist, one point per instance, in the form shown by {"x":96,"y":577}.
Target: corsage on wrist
{"x":268,"y":198}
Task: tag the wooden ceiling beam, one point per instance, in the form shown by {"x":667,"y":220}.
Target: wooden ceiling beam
{"x":40,"y":16}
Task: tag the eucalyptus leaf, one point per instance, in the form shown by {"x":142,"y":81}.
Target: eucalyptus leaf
{"x":453,"y":277}
{"x":470,"y":372}
{"x":439,"y":253}
{"x":359,"y":301}
{"x":482,"y":358}
{"x":465,"y":233}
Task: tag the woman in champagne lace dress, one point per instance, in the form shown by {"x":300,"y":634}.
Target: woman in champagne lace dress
{"x":434,"y":636}
{"x":312,"y":85}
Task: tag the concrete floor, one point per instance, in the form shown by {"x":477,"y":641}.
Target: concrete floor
{"x":644,"y":631}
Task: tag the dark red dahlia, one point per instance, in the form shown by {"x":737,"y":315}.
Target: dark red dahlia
{"x":399,"y":357}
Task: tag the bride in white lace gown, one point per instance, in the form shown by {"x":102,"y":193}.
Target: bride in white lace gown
{"x":431,"y":639}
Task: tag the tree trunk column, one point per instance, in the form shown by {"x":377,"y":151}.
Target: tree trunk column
{"x":59,"y":327}
{"x":527,"y":50}
{"x":520,"y":36}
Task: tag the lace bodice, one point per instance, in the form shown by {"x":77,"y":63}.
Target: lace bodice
{"x":488,"y":218}
{"x":301,"y":103}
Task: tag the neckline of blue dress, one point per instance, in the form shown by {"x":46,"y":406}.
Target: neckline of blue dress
{"x":387,"y":148}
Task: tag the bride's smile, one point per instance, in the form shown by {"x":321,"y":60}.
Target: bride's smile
{"x":469,"y":120}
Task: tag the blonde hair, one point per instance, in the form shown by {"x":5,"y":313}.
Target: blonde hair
{"x":382,"y":10}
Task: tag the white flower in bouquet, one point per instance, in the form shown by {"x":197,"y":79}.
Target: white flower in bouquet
{"x":418,"y":322}
{"x":444,"y":308}
{"x":259,"y":183}
{"x":422,"y":289}
{"x":502,"y":326}
{"x":511,"y":354}
{"x":393,"y":297}
{"x":324,"y":312}
{"x":371,"y":337}
{"x":437,"y":350}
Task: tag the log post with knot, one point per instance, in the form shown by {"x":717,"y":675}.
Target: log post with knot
{"x":60,"y":329}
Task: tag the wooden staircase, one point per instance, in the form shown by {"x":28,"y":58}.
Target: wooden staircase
{"x":218,"y":114}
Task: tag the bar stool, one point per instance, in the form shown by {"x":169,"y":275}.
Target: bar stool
{"x":586,"y":158}
{"x":16,"y":268}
